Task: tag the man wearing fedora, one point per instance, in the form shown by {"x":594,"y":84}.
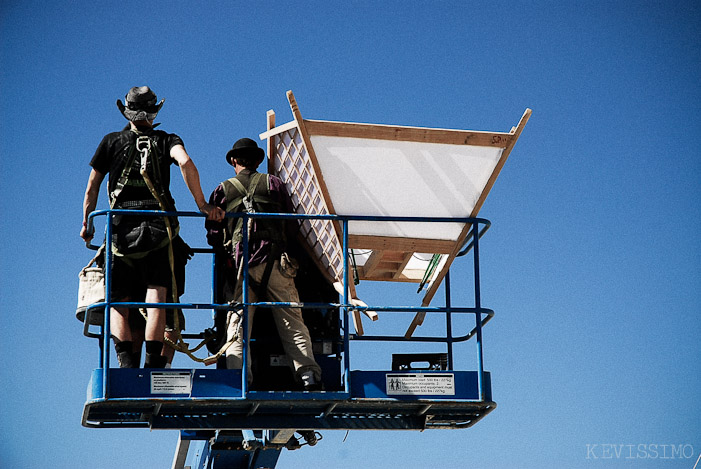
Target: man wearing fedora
{"x":141,"y":260}
{"x":271,"y":270}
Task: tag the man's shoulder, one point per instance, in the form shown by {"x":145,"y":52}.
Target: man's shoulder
{"x":275,"y":183}
{"x":114,"y":139}
{"x":119,"y":134}
{"x":275,"y":180}
{"x":162,"y":134}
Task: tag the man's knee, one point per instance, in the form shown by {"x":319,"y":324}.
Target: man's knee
{"x":156,"y":294}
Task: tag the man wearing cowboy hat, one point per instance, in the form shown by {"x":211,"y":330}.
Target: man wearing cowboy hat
{"x":142,"y":261}
{"x":270,"y":269}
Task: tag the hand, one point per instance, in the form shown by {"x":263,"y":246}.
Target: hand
{"x":213,"y":213}
{"x":86,"y":235}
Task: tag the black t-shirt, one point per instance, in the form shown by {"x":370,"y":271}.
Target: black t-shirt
{"x":113,"y":153}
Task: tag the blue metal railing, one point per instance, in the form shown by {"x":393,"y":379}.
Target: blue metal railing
{"x":471,"y":243}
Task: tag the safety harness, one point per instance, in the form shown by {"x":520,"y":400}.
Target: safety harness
{"x":255,"y":198}
{"x":145,"y":145}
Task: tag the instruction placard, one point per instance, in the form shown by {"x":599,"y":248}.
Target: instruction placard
{"x":415,"y":384}
{"x":171,"y":382}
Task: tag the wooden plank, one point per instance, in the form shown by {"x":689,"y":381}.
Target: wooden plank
{"x":372,"y":262}
{"x":408,"y":134}
{"x":391,"y":243}
{"x":270,"y":118}
{"x":389,"y":277}
{"x":400,"y":269}
{"x":516,"y":132}
{"x":304,"y":135}
{"x":310,"y":151}
{"x":272,"y":131}
{"x":312,"y":157}
{"x":387,"y":267}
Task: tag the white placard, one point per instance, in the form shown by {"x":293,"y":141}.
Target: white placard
{"x":413,"y":384}
{"x":171,"y":382}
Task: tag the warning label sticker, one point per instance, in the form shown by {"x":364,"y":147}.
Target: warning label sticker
{"x":413,"y":384}
{"x":176,"y":382}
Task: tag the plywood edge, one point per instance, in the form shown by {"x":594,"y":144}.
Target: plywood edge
{"x":407,"y":134}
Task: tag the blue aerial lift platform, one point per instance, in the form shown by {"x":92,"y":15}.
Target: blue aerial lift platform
{"x":248,"y":426}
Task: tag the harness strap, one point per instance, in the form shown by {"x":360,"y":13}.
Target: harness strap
{"x":123,"y":178}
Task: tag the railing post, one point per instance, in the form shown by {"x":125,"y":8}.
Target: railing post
{"x":108,"y":307}
{"x":478,"y":314}
{"x":346,"y":324}
{"x":245,"y":298}
{"x":448,"y":321}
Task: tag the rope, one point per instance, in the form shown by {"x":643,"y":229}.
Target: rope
{"x":429,"y":271}
{"x":143,"y":145}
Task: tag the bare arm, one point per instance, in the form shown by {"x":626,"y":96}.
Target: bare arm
{"x":90,"y":202}
{"x":192,"y":180}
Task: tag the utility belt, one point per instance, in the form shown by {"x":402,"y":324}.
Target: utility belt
{"x":139,"y":204}
{"x":136,"y":235}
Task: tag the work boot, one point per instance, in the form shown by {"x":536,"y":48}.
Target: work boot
{"x":154,"y":359}
{"x":125,"y":356}
{"x":309,"y":382}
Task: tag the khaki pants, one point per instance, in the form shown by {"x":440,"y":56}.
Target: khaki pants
{"x":290,"y":325}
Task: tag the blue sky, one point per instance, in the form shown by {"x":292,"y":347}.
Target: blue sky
{"x":593,"y":263}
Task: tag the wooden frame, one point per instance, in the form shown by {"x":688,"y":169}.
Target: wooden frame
{"x":314,"y":231}
{"x":515,"y":133}
{"x":390,"y":255}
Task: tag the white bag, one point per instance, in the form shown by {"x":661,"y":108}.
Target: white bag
{"x":91,"y":289}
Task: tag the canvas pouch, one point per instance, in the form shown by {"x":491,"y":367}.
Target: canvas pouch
{"x":91,"y":289}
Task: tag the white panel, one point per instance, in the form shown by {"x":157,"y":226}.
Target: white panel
{"x":395,"y":178}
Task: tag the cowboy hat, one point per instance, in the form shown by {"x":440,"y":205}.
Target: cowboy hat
{"x":140,"y":104}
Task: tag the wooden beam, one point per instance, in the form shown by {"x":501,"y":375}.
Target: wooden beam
{"x":310,"y":150}
{"x":270,"y":118}
{"x":391,"y":243}
{"x":389,"y":277}
{"x":515,"y":133}
{"x":400,"y":269}
{"x":372,"y":262}
{"x":408,"y":134}
{"x":272,"y":131}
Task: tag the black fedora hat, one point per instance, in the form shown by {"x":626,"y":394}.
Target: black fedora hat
{"x":245,"y":148}
{"x":140,"y":104}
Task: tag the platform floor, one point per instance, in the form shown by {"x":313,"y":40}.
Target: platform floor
{"x":211,"y":399}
